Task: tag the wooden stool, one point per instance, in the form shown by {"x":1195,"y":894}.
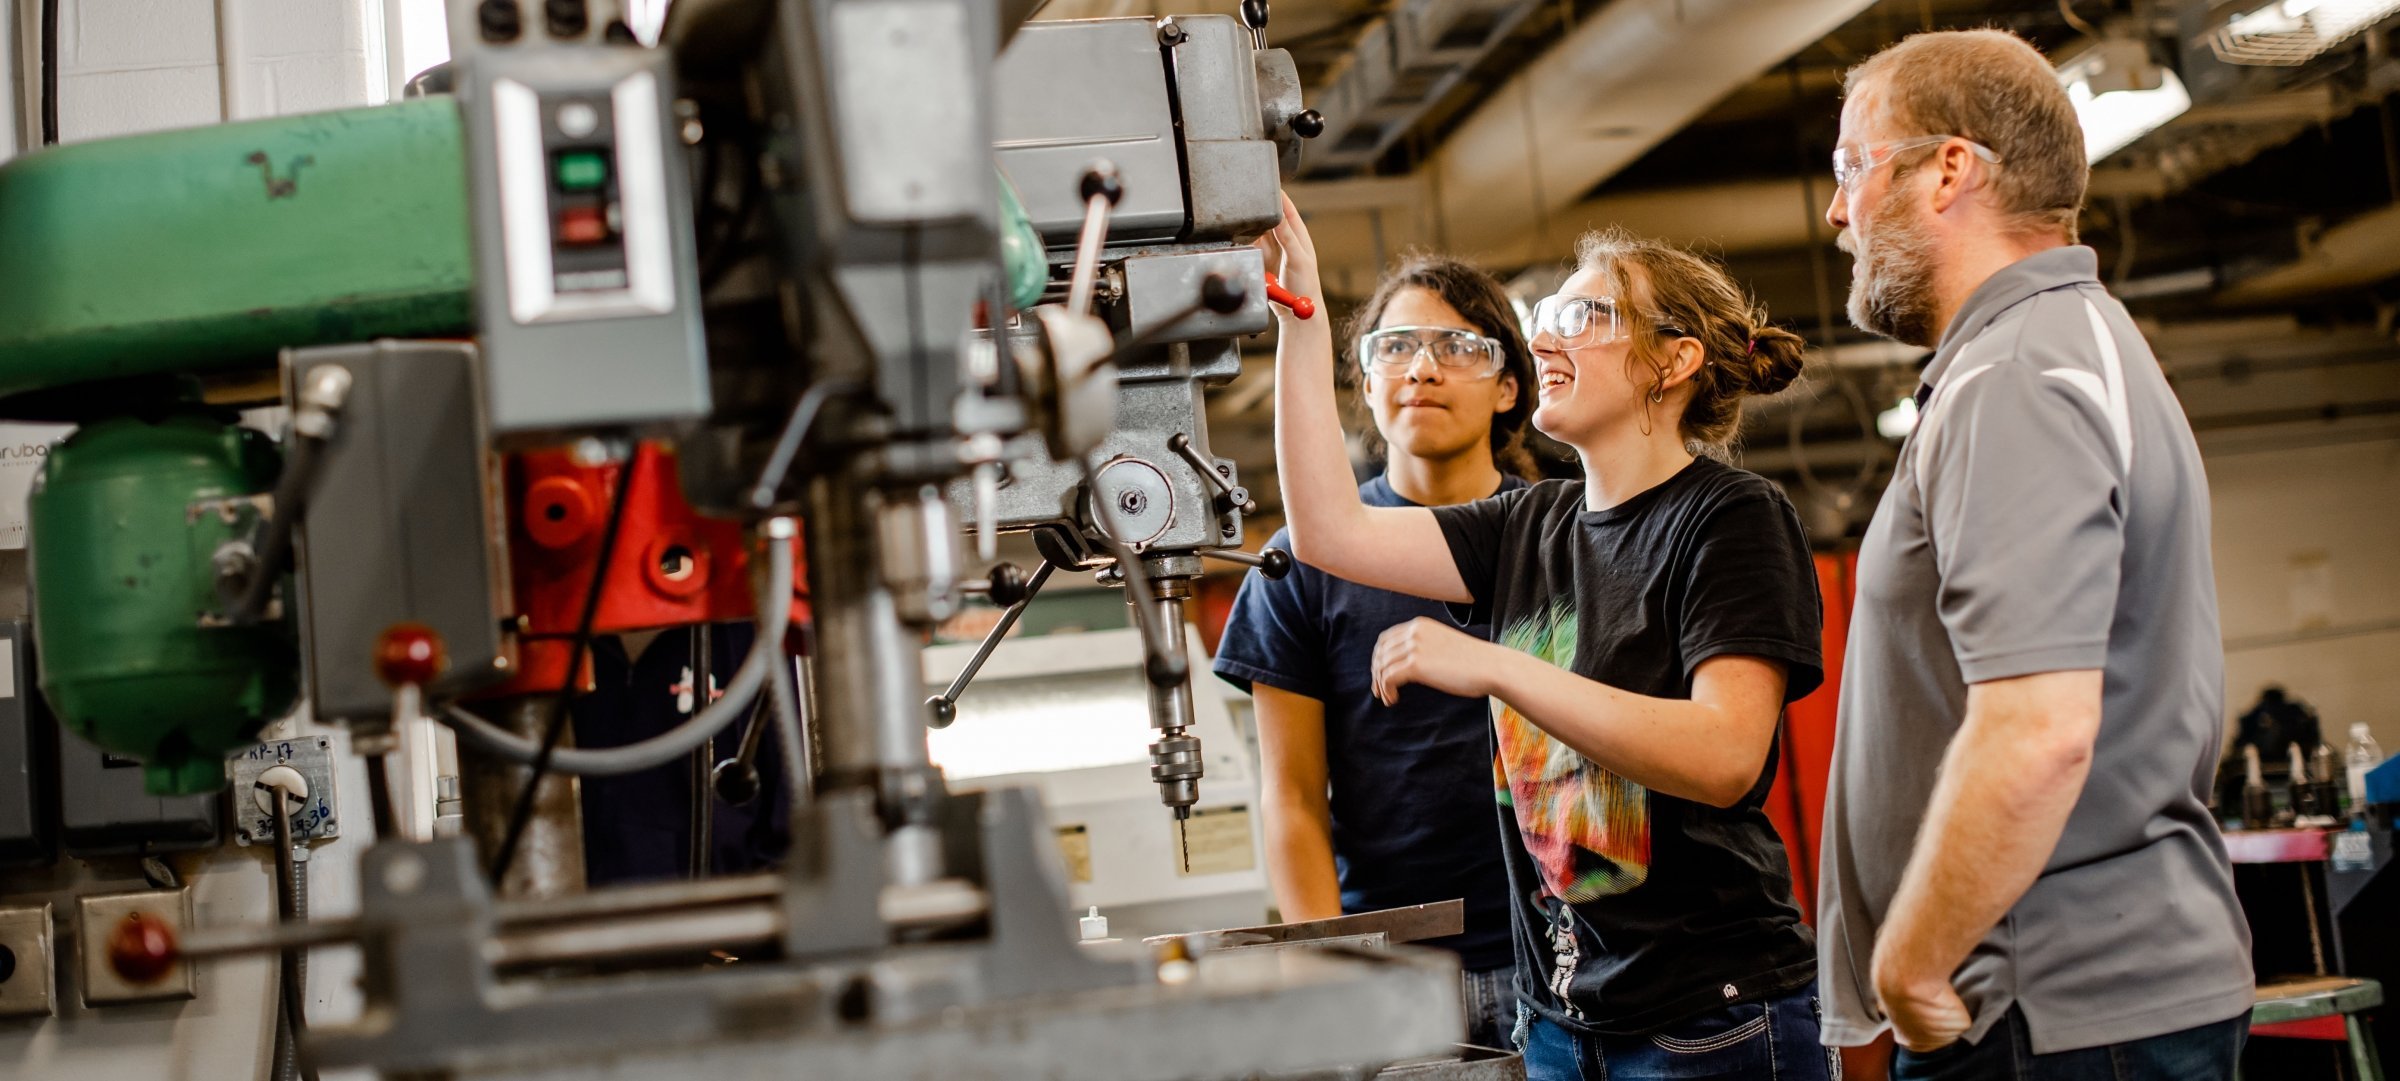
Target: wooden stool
{"x":2320,"y":998}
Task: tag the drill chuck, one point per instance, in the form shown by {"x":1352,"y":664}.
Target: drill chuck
{"x":1175,"y":765}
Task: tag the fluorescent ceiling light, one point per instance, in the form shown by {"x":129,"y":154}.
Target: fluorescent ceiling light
{"x":2120,"y":95}
{"x":2289,"y":33}
{"x":2112,"y":121}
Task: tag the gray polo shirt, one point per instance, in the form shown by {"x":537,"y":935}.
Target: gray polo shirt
{"x":2048,"y":514}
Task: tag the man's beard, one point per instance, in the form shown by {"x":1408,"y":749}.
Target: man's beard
{"x":1891,"y":282}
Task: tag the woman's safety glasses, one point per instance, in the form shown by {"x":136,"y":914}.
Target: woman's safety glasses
{"x":1576,"y":321}
{"x":1392,"y":351}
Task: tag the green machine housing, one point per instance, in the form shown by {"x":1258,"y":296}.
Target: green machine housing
{"x":121,"y":569}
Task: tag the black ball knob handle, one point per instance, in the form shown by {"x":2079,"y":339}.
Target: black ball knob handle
{"x":1254,"y":14}
{"x":500,"y":21}
{"x":736,"y":781}
{"x":1100,"y":180}
{"x":1008,"y":585}
{"x":940,"y":712}
{"x":1309,"y":124}
{"x":1221,"y":294}
{"x":1274,"y":563}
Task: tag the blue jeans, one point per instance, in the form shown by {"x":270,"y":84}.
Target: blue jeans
{"x":1490,"y":999}
{"x":2207,"y":1053}
{"x":1774,"y":1040}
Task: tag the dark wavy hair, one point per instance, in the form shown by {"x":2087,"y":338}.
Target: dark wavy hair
{"x":1480,"y":298}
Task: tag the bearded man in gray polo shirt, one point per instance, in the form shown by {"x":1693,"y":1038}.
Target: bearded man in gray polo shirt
{"x":2021,"y":876}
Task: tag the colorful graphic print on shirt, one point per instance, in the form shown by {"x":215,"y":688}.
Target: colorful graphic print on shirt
{"x":1587,"y":829}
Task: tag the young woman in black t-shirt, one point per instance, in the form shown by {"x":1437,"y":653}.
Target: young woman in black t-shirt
{"x":1651,"y":621}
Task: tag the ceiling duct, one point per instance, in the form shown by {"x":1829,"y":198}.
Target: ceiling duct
{"x":1504,"y":188}
{"x":2289,"y":33}
{"x":1402,"y":66}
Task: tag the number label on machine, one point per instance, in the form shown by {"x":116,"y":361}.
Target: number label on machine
{"x":312,"y":758}
{"x":1075,"y":847}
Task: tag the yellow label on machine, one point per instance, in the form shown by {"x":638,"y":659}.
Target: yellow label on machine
{"x":1075,"y":844}
{"x":1217,"y":841}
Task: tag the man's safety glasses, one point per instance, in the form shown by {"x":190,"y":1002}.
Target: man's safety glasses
{"x":1392,"y":351}
{"x":1852,"y":163}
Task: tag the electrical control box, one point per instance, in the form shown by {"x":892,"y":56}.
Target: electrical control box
{"x":25,"y":829}
{"x":104,"y":810}
{"x":587,"y":292}
{"x":402,"y":527}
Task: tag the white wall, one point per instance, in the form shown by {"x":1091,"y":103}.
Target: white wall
{"x":145,"y":65}
{"x":8,"y":80}
{"x":2308,"y":575}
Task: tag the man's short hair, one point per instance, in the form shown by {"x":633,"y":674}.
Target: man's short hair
{"x":1994,"y":88}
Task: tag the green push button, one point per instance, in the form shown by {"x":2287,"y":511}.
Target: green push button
{"x":581,"y":170}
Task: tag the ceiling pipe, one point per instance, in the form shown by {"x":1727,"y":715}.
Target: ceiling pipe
{"x":2357,"y":253}
{"x":1619,"y":84}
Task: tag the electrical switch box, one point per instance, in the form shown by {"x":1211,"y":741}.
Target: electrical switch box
{"x":402,"y":528}
{"x":133,"y":926}
{"x":104,"y":810}
{"x":587,"y":287}
{"x":25,"y":819}
{"x":27,"y":977}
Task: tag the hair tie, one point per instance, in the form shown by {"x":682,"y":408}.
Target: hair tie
{"x":1753,"y":350}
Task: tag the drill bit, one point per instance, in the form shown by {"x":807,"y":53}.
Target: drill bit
{"x":1183,"y":837}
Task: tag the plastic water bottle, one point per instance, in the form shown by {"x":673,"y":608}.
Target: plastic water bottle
{"x":2363,"y":755}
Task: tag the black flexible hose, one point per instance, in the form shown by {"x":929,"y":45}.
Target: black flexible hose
{"x":703,"y":833}
{"x":274,"y":554}
{"x":379,"y":798}
{"x":522,"y":814}
{"x":50,"y":72}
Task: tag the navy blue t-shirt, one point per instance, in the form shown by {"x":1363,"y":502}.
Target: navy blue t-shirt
{"x":1413,"y":819}
{"x":637,"y":827}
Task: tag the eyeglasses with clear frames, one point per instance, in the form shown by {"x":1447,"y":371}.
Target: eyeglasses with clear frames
{"x":1852,"y":163}
{"x":1391,"y":351}
{"x":1575,"y":322}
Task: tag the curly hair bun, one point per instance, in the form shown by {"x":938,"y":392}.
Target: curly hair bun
{"x":1775,"y":358}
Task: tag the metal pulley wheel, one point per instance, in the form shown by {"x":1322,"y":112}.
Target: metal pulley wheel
{"x":1140,"y":503}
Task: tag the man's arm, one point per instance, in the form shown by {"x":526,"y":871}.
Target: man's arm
{"x":2011,"y":777}
{"x":1298,"y":814}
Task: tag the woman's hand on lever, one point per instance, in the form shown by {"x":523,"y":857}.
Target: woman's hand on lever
{"x":1292,"y":258}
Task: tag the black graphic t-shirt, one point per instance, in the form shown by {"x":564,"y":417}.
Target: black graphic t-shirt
{"x":1635,"y":909}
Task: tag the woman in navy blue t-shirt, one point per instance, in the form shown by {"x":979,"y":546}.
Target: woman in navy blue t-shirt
{"x":1370,"y":806}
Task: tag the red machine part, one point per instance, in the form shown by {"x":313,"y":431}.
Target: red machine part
{"x":672,"y":567}
{"x":1796,"y":803}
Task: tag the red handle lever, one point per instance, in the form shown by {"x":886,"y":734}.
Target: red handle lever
{"x":1301,"y":306}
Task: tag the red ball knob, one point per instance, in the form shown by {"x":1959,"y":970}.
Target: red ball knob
{"x":409,"y":653}
{"x":142,"y":949}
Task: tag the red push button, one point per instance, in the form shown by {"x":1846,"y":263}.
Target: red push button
{"x":582,"y":225}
